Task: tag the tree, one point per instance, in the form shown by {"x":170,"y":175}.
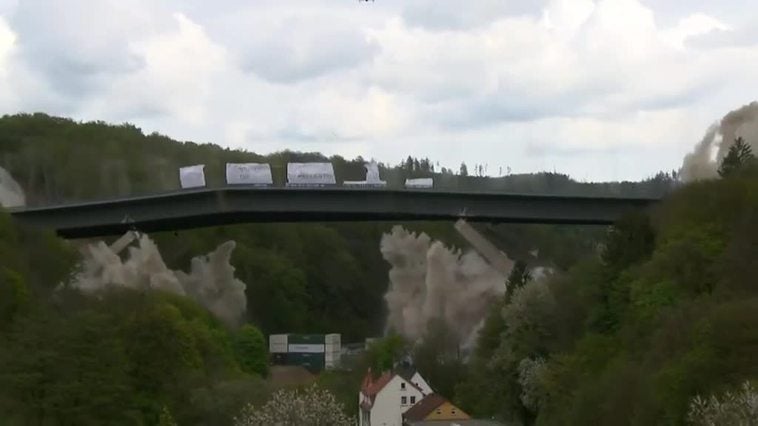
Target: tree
{"x":310,"y":407}
{"x":519,"y":276}
{"x":629,"y":241}
{"x":68,"y":369}
{"x":492,"y":330}
{"x":740,"y":154}
{"x":250,"y":349}
{"x":438,"y":358}
{"x":166,"y":419}
{"x":731,"y":408}
{"x":464,"y":170}
{"x":384,"y":353}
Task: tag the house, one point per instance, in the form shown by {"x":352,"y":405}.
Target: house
{"x":434,"y":408}
{"x":383,"y":401}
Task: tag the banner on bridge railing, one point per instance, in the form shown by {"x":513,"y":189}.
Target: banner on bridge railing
{"x":248,"y":174}
{"x":192,"y":176}
{"x":419,"y":183}
{"x":310,"y":174}
{"x":372,"y":177}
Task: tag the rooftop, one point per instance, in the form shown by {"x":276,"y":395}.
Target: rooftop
{"x":424,"y":407}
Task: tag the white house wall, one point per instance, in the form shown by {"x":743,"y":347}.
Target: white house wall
{"x":387,"y":409}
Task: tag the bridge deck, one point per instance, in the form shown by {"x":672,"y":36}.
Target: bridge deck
{"x":210,"y":207}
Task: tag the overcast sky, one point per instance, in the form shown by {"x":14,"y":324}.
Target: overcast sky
{"x":601,"y":90}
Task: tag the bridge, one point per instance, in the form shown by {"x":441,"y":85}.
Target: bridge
{"x":210,"y":207}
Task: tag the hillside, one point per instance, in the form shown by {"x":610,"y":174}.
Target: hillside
{"x":57,"y":159}
{"x":635,"y":322}
{"x":302,"y":277}
{"x":667,"y":311}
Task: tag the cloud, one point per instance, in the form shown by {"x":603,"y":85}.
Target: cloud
{"x":285,"y":55}
{"x":7,"y":41}
{"x":79,"y":45}
{"x":578,"y":57}
{"x":694,"y":26}
{"x":179,"y":70}
{"x":531,"y":83}
{"x":452,"y":14}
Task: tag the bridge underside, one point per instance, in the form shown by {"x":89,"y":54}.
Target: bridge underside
{"x":212,"y":207}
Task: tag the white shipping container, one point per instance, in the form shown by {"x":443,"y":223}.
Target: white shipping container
{"x":192,"y":176}
{"x":369,"y":341}
{"x":332,"y":356}
{"x":278,"y":338}
{"x":248,"y":174}
{"x":277,"y":348}
{"x":310,"y":174}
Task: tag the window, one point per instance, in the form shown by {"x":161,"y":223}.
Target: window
{"x":413,"y":400}
{"x":402,"y":385}
{"x":403,"y":400}
{"x":439,"y":411}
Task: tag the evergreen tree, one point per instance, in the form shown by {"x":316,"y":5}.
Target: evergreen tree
{"x":740,"y":154}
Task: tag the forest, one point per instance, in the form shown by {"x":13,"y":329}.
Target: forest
{"x":637,"y":320}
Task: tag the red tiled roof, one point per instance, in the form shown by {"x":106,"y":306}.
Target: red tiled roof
{"x":372,"y":387}
{"x":422,"y":408}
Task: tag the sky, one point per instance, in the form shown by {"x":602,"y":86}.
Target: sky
{"x":597,"y":89}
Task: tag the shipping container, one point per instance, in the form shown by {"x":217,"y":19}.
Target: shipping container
{"x":313,"y":362}
{"x":278,"y":338}
{"x":306,"y":339}
{"x":279,"y":358}
{"x":277,"y":343}
{"x":309,"y":348}
{"x":277,"y":348}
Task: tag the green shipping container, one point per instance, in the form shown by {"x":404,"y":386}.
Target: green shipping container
{"x":306,"y":339}
{"x":310,"y":361}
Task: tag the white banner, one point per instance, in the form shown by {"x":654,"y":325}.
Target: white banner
{"x":192,"y":176}
{"x":310,"y":174}
{"x":248,"y":174}
{"x":372,"y":177}
{"x":306,"y":348}
{"x":419,"y":183}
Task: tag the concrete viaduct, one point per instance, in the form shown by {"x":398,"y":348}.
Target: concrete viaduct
{"x":229,"y":205}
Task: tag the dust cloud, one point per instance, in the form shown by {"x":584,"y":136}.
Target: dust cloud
{"x":210,"y":282}
{"x":429,"y":281}
{"x":703,"y":162}
{"x":11,"y":194}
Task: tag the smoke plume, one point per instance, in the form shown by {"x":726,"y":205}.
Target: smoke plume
{"x":429,"y":282}
{"x":11,"y":194}
{"x":703,"y":162}
{"x":210,"y":282}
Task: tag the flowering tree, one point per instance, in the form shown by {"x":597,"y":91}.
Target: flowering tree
{"x":166,"y":419}
{"x":530,"y":376}
{"x":732,"y":408}
{"x":309,"y":407}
